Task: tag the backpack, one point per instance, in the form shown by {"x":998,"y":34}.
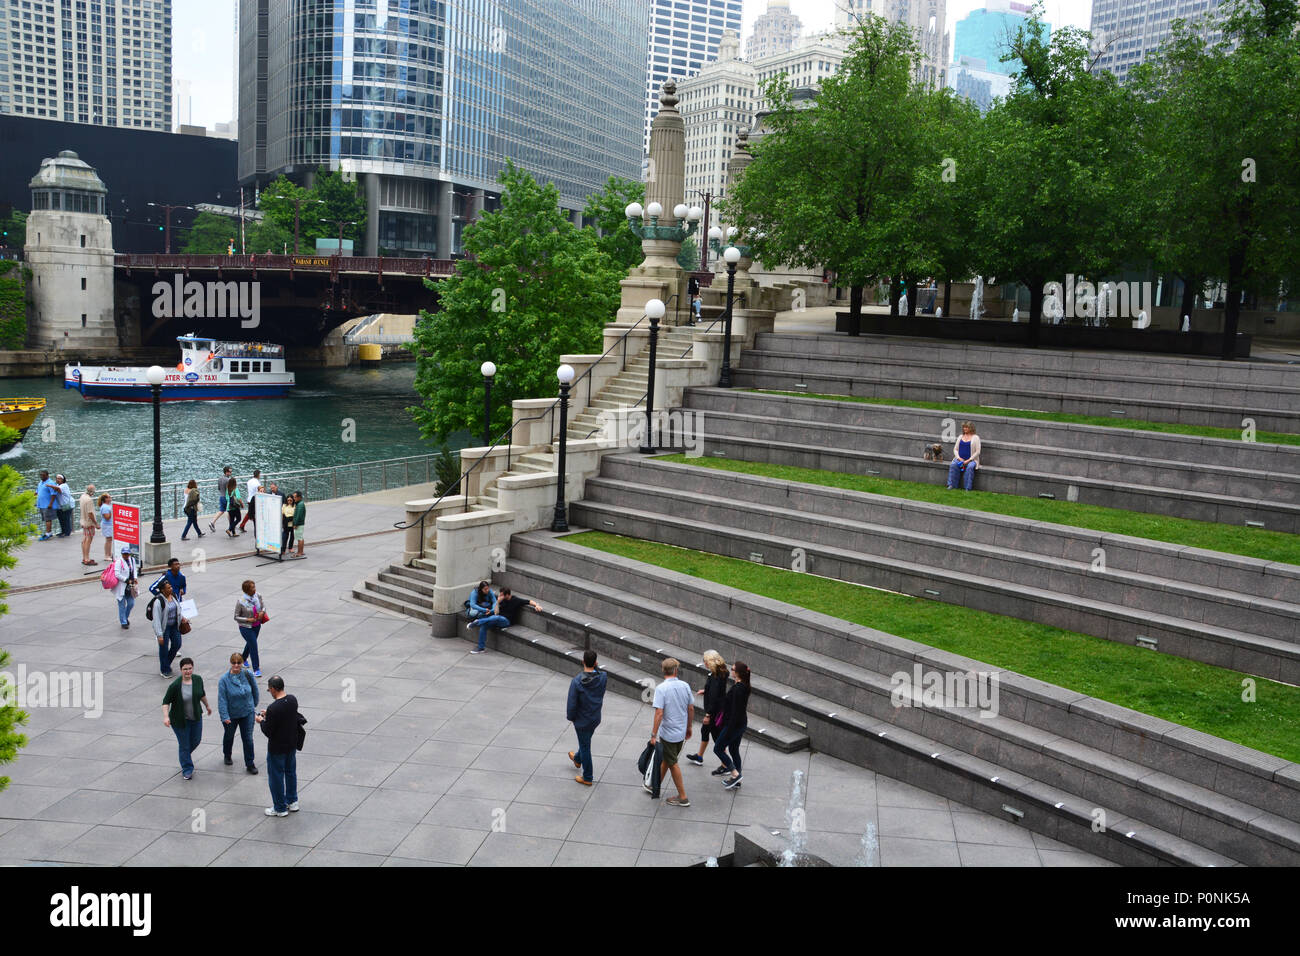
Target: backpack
{"x":108,"y":578}
{"x":148,"y":611}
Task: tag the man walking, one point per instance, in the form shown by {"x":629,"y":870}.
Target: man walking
{"x":674,"y":714}
{"x":586,"y":697}
{"x":89,"y":523}
{"x":280,"y":724}
{"x":223,"y":503}
{"x":254,"y":486}
{"x":47,"y":500}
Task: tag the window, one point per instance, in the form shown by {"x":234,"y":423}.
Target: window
{"x":83,"y":240}
{"x":83,"y":284}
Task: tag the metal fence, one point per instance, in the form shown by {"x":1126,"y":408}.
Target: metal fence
{"x":332,"y":481}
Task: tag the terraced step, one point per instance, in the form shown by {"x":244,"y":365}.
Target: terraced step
{"x":394,"y":598}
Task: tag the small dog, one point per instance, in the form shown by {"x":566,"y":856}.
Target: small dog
{"x":933,"y":452}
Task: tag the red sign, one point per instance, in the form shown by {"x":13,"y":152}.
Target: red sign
{"x":126,"y":525}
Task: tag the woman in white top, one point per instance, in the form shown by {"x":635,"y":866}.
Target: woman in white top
{"x":125,"y":568}
{"x":965,"y":458}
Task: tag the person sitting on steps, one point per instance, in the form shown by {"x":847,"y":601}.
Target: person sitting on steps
{"x":965,"y":457}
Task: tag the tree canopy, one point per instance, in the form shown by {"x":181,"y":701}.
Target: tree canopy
{"x":16,"y":505}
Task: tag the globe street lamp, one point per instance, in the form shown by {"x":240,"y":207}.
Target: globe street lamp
{"x":654,"y":310}
{"x":688,"y":221}
{"x":731,"y":256}
{"x":561,"y":520}
{"x":488,"y":369}
{"x":158,"y":550}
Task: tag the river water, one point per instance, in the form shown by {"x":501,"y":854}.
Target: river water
{"x":331,"y":417}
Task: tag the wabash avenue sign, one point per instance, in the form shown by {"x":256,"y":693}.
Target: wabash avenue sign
{"x":318,"y":262}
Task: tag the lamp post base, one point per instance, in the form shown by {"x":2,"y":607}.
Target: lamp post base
{"x":157,"y":553}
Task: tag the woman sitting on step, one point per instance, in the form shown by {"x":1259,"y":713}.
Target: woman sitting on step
{"x":965,"y":457}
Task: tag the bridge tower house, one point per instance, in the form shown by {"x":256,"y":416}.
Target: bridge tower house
{"x":70,"y":253}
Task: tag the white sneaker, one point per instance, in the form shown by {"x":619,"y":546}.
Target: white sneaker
{"x":271,"y":812}
{"x":293,"y":807}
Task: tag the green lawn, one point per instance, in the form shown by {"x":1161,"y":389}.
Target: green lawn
{"x":1230,"y":539}
{"x":1185,"y":692}
{"x":1203,"y":431}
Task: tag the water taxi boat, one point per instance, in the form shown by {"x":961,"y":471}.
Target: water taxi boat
{"x":18,"y":413}
{"x":209,"y":369}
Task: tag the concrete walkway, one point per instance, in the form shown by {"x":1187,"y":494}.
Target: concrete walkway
{"x":417,"y":753}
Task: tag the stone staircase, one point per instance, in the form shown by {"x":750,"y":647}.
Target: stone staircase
{"x":408,"y":590}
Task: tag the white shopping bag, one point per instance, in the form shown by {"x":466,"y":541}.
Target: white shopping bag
{"x":189,"y":610}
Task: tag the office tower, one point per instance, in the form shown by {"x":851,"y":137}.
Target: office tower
{"x":684,"y":35}
{"x":776,"y":31}
{"x":105,"y":62}
{"x":985,"y":35}
{"x":928,"y":20}
{"x":1129,"y":31}
{"x":423,"y":101}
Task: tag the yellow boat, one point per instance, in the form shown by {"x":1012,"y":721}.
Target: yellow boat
{"x":18,"y":413}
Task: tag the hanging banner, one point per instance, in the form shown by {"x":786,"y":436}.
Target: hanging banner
{"x":126,"y":528}
{"x":266,"y":515}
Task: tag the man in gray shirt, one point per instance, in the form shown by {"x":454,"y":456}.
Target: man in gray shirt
{"x":674,"y":714}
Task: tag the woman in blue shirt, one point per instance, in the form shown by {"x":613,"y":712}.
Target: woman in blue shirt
{"x":965,"y":457}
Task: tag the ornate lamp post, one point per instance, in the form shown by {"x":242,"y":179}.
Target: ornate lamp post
{"x":488,"y":369}
{"x":159,"y":550}
{"x":688,"y":221}
{"x":561,"y":520}
{"x":654,"y":310}
{"x":731,"y":255}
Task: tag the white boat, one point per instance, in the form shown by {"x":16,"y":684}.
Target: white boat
{"x":209,"y":369}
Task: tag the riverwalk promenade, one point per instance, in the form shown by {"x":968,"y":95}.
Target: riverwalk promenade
{"x":417,"y":753}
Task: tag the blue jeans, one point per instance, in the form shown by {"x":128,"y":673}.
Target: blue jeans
{"x":245,"y":727}
{"x":584,"y":749}
{"x":170,"y":646}
{"x":124,"y":608}
{"x":249,"y":635}
{"x":492,"y":620}
{"x":282,"y":776}
{"x":191,"y":521}
{"x":187,"y":740}
{"x":729,"y":741}
{"x":955,"y":470}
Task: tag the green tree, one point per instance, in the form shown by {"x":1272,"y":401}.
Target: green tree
{"x":339,"y":200}
{"x":1058,"y":191}
{"x":268,"y":235}
{"x":15,"y":505}
{"x":211,"y":235}
{"x":689,"y":257}
{"x":828,"y":182}
{"x":614,"y":238}
{"x":278,"y":202}
{"x":532,"y":287}
{"x":1223,"y":188}
{"x":13,"y":305}
{"x":15,"y":230}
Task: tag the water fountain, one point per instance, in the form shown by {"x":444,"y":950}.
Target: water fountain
{"x":869,"y":854}
{"x":977,"y":298}
{"x":796,"y":823}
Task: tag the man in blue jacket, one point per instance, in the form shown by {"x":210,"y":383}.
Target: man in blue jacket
{"x":586,"y":697}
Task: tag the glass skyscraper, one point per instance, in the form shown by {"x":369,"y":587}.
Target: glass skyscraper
{"x":684,"y":36}
{"x":1129,"y":31}
{"x":424,"y":100}
{"x":987,"y":34}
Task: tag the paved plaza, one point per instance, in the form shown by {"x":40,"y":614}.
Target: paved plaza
{"x":434,"y":757}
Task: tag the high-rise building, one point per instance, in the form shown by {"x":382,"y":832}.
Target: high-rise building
{"x":423,"y":102}
{"x":1128,"y":31}
{"x":776,"y":31}
{"x":928,"y":20}
{"x":684,"y":35}
{"x":987,"y":34}
{"x":715,"y":103}
{"x":105,"y":62}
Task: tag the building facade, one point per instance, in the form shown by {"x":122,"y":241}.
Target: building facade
{"x":423,"y":101}
{"x":928,"y":20}
{"x":986,"y":35}
{"x":104,"y":62}
{"x":776,"y":31}
{"x":1126,"y":32}
{"x":684,"y":36}
{"x":715,"y":103}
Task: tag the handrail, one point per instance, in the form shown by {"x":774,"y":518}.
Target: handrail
{"x":462,"y":483}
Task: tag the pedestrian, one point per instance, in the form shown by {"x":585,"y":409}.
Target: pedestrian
{"x":733,"y":721}
{"x":175,"y":578}
{"x":715,"y":689}
{"x":126,"y":568}
{"x":586,"y":697}
{"x":674,"y":714}
{"x":181,"y":713}
{"x":236,"y":702}
{"x":222,"y":484}
{"x":89,"y":523}
{"x":191,"y":510}
{"x":254,"y":486}
{"x":65,"y":507}
{"x":106,"y":523}
{"x":505,"y":612}
{"x":250,"y":615}
{"x":286,"y":524}
{"x":697,"y":307}
{"x":165,"y":614}
{"x":299,"y":519}
{"x":234,"y":505}
{"x":47,"y":500}
{"x":280,"y":722}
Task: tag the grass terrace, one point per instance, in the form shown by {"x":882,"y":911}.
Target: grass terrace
{"x":1185,"y":692}
{"x":1229,"y":539}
